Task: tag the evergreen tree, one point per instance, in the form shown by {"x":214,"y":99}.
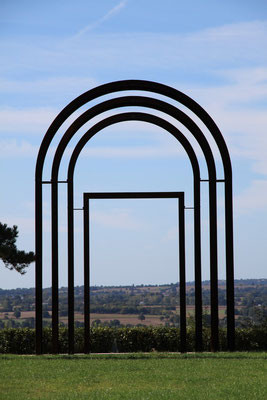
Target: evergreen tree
{"x":10,"y":255}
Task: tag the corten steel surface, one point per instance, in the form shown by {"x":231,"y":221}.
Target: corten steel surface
{"x":181,"y":229}
{"x":153,"y":103}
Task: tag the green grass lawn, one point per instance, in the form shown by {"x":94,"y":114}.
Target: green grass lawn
{"x":135,"y":376}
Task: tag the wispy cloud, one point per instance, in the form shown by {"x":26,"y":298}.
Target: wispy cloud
{"x":21,"y":149}
{"x":66,"y":85}
{"x":229,"y":45}
{"x":100,"y":21}
{"x":15,"y":149}
{"x":153,"y":151}
{"x":237,"y":103}
{"x":239,"y":109}
{"x":29,"y":120}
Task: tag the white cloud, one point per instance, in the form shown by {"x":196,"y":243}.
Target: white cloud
{"x":155,"y":151}
{"x":238,"y":108}
{"x":105,"y":17}
{"x":228,"y":32}
{"x":231,"y":45}
{"x":30,"y":120}
{"x":67,"y":85}
{"x":15,"y":149}
{"x":240,"y":111}
{"x":237,"y":104}
{"x":250,"y":76}
{"x":240,"y":88}
{"x":245,"y":132}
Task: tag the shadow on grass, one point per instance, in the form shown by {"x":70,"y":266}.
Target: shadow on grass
{"x":142,"y":356}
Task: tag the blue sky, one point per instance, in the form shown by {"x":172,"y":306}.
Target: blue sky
{"x":213,"y":51}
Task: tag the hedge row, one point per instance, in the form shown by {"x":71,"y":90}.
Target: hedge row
{"x":105,"y":340}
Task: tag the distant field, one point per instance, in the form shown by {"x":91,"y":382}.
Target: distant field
{"x":137,"y":376}
{"x":125,"y":319}
{"x":250,"y":303}
{"x":24,"y":314}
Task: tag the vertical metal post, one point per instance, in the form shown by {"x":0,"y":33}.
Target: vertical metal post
{"x":54,"y":241}
{"x":197,"y":254}
{"x":38,"y":267}
{"x":182,"y":274}
{"x":70,"y":268}
{"x":213,"y":266}
{"x":86,"y":275}
{"x":229,"y":264}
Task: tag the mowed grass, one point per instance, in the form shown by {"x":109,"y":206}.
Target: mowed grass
{"x":135,"y":376}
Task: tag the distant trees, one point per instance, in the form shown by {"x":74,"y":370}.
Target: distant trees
{"x":141,"y":317}
{"x":6,"y":305}
{"x":17,"y":314}
{"x":46,"y":314}
{"x":10,"y":255}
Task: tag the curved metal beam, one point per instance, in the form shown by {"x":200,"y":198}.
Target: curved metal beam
{"x":176,"y":95}
{"x":133,"y":116}
{"x":180,"y":116}
{"x":138,"y":85}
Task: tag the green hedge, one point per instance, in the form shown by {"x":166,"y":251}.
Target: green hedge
{"x":105,"y":340}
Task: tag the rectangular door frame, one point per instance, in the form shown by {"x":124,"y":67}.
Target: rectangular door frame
{"x":181,"y":227}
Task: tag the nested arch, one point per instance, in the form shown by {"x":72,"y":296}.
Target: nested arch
{"x":114,"y":119}
{"x":136,"y":85}
{"x":180,"y":116}
{"x":180,"y":97}
{"x":191,"y":126}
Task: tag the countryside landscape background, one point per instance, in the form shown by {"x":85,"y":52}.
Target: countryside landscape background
{"x":142,"y":305}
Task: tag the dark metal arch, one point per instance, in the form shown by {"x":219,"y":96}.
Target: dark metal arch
{"x":129,"y":116}
{"x":202,"y":141}
{"x":137,"y":85}
{"x":180,"y":97}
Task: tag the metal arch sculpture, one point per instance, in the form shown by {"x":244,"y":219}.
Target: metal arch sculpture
{"x":134,"y":116}
{"x":149,"y":102}
{"x":193,"y":128}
